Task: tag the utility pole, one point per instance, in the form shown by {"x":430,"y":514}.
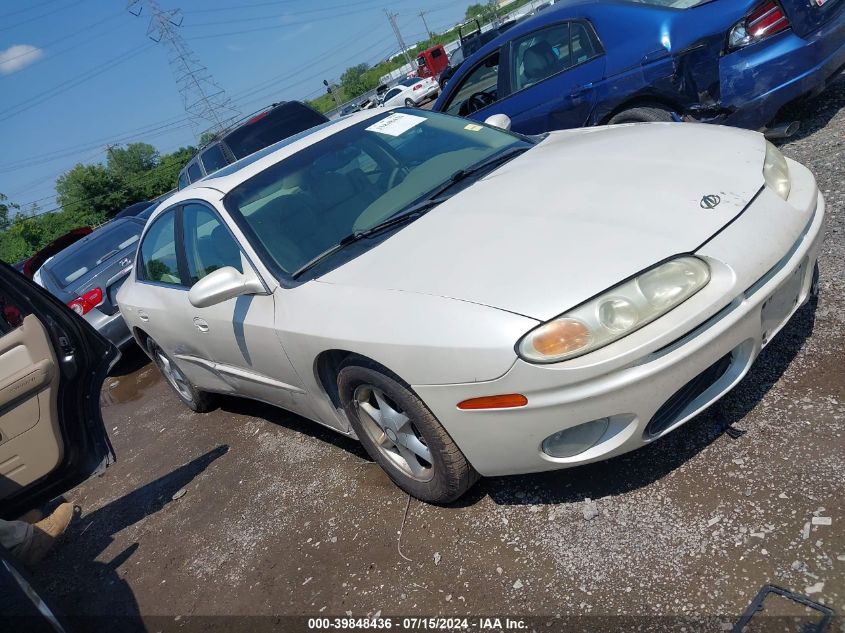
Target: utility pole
{"x":205,"y":101}
{"x":391,"y":17}
{"x":422,"y":15}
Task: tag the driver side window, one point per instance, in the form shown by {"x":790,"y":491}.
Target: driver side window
{"x":209,"y":245}
{"x":478,"y":89}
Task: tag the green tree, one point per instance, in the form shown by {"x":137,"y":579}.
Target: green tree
{"x":5,"y":212}
{"x":356,"y":80}
{"x":92,"y":187}
{"x":134,"y":159}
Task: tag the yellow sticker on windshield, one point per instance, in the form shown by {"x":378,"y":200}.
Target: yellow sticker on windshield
{"x":473,"y":127}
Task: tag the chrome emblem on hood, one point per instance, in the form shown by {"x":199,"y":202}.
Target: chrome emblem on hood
{"x":710,"y":201}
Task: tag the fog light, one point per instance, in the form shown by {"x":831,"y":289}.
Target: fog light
{"x":576,"y":440}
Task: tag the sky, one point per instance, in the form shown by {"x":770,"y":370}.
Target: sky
{"x":79,"y":75}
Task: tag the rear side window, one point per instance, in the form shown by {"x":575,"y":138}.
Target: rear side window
{"x":183,"y":179}
{"x":277,"y":124}
{"x":208,"y":243}
{"x":584,"y":43}
{"x":157,"y":256}
{"x":194,"y":172}
{"x":213,"y":159}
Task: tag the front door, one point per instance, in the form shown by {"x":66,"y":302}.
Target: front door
{"x":237,"y":335}
{"x":553,"y":73}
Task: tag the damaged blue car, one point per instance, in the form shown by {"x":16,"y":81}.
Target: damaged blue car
{"x":732,"y":62}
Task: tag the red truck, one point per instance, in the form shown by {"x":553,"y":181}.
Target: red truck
{"x":432,"y":61}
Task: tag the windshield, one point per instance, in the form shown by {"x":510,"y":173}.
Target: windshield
{"x":86,"y":255}
{"x":672,"y":4}
{"x":355,"y":179}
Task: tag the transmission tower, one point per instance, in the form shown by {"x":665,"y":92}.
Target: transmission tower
{"x":205,"y":101}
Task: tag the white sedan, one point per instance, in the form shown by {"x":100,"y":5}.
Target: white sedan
{"x":411,"y":92}
{"x":466,"y":301}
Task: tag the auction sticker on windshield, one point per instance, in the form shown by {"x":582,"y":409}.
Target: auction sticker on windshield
{"x":396,"y":124}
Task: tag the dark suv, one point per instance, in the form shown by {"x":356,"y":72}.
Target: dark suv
{"x":261,"y":130}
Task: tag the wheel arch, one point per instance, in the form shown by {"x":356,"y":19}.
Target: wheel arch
{"x":143,"y":339}
{"x":646,"y":100}
{"x":327,"y":365}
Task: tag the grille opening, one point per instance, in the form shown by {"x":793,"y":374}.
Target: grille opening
{"x":672,"y":409}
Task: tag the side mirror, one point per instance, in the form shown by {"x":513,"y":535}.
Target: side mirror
{"x":502,"y":121}
{"x":224,"y":284}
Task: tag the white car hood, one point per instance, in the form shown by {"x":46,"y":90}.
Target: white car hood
{"x":577,"y":214}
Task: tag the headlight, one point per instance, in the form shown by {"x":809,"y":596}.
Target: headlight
{"x":616,"y":313}
{"x":776,"y":171}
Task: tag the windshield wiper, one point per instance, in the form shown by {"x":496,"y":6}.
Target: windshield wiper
{"x":406,"y":215}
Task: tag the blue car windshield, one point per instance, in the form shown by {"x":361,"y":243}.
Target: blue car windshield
{"x":672,"y":4}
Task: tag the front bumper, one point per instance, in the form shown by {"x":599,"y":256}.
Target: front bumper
{"x":756,"y":286}
{"x":760,"y":79}
{"x":113,"y":327}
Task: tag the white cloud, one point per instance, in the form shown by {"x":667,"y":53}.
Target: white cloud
{"x":18,"y":57}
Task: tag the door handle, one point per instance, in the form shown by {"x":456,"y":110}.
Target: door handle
{"x":143,"y":316}
{"x":577,"y":91}
{"x":201,"y":324}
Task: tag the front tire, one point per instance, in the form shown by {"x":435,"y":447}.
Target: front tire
{"x":653,"y":114}
{"x":402,"y":435}
{"x":191,"y":397}
{"x":409,"y":103}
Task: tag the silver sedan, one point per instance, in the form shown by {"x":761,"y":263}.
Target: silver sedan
{"x":466,"y":301}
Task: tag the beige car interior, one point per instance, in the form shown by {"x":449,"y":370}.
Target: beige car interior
{"x":30,"y":437}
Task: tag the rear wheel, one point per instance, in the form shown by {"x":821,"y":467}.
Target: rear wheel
{"x":649,"y":114}
{"x":409,"y":103}
{"x":402,"y":435}
{"x":193,"y":398}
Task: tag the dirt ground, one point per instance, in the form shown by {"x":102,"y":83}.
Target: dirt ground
{"x":248,"y":510}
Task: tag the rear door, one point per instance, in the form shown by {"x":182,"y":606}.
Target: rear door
{"x":52,"y":366}
{"x":553,"y":72}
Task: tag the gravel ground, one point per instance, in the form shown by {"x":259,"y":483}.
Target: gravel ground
{"x":280,"y":516}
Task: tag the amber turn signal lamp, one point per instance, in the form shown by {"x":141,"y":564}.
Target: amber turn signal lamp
{"x":505,"y":401}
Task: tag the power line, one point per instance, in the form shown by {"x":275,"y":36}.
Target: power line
{"x":42,"y":15}
{"x":27,"y":9}
{"x":66,"y":85}
{"x":70,"y":35}
{"x":263,"y":18}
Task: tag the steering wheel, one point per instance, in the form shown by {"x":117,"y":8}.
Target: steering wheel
{"x":397,"y":175}
{"x":479,"y":100}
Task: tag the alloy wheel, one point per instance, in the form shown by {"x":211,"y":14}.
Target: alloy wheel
{"x":393,"y":433}
{"x":175,"y":377}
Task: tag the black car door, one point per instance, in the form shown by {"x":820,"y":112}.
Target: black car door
{"x":52,"y":366}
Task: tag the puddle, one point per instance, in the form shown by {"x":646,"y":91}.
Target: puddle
{"x":120,"y":389}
